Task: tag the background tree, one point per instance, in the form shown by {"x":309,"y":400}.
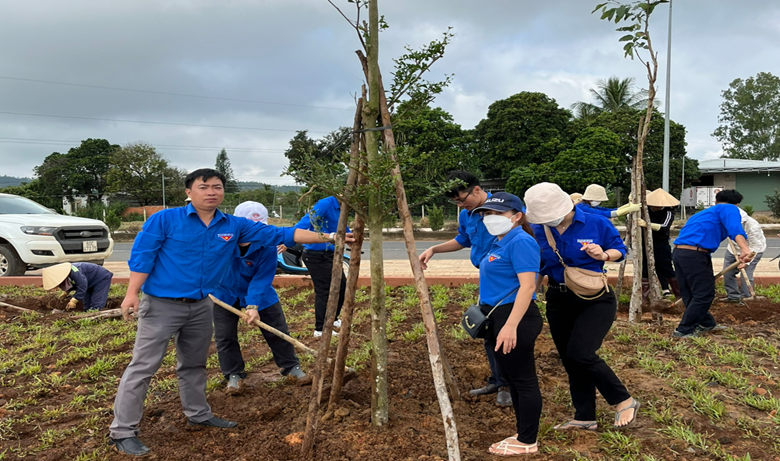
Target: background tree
{"x":593,"y":159}
{"x":311,"y":159}
{"x":429,"y":145}
{"x":613,"y":95}
{"x":88,"y":166}
{"x":223,"y":166}
{"x":523,"y":129}
{"x":138,"y":172}
{"x":750,"y":118}
{"x":52,"y":177}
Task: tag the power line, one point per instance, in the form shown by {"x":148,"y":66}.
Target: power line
{"x":154,"y":123}
{"x":185,"y":95}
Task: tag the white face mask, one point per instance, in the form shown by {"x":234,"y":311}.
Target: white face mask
{"x":497,"y":225}
{"x":595,"y":203}
{"x":554,"y":223}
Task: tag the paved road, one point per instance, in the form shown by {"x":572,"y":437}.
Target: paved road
{"x":396,"y":250}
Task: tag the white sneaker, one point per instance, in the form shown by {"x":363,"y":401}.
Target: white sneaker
{"x":318,"y":333}
{"x":337,"y":323}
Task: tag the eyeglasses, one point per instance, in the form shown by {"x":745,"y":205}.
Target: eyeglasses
{"x":461,"y":200}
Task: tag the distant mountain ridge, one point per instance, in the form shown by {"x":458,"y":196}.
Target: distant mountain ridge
{"x":252,"y":185}
{"x":8,"y":181}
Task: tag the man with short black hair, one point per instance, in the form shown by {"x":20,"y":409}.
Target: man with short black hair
{"x":698,"y":239}
{"x":178,"y":259}
{"x":469,"y":195}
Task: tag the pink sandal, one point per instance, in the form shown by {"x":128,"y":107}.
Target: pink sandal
{"x":511,"y":447}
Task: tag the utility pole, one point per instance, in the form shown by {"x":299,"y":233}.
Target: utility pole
{"x":163,"y":185}
{"x":665,"y":180}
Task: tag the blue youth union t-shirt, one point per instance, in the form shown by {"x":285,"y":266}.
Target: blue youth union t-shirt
{"x":516,"y":253}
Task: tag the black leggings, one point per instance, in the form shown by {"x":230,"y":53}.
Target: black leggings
{"x":518,"y":368}
{"x":578,"y":328}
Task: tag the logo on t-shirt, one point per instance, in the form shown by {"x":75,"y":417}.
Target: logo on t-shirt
{"x":249,"y":263}
{"x":225,"y":237}
{"x":584,"y":242}
{"x":492,"y":258}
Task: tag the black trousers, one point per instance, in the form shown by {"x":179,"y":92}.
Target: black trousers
{"x":518,"y":367}
{"x":697,"y":287}
{"x":663,"y":262}
{"x":229,"y":350}
{"x":578,"y":328}
{"x":320,"y":267}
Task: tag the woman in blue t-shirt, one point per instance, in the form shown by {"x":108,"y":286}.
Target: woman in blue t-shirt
{"x":507,"y":281}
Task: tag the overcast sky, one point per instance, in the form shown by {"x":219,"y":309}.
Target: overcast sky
{"x":299,"y":55}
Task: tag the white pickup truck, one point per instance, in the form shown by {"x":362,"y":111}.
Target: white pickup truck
{"x":32,"y":236}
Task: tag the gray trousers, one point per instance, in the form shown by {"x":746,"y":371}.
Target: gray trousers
{"x":159,"y":319}
{"x":730,"y":278}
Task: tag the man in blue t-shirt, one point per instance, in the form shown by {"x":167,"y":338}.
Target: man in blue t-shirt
{"x":324,"y":218}
{"x":472,"y":234}
{"x":692,"y":256}
{"x":178,"y":259}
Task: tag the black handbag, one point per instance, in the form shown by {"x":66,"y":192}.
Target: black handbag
{"x":475,"y":322}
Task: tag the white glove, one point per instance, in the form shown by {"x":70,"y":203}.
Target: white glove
{"x":73,"y":303}
{"x":641,"y":222}
{"x":654,"y":226}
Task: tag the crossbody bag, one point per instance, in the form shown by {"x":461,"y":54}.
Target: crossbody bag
{"x":475,"y":322}
{"x":584,"y":283}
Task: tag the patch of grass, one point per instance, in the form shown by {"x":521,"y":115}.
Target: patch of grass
{"x":619,"y":444}
{"x":682,"y":431}
{"x":30,"y":368}
{"x":214,"y":382}
{"x":49,"y":414}
{"x":257,"y":362}
{"x":457,"y":333}
{"x":417,"y":332}
{"x":761,"y":402}
{"x":360,"y":356}
{"x":102,"y":367}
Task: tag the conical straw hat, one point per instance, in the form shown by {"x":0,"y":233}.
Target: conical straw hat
{"x":595,"y":192}
{"x":660,"y":197}
{"x":54,"y":275}
{"x":576,"y":197}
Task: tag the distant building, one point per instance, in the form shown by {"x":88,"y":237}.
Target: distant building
{"x":79,"y":201}
{"x":754,"y":179}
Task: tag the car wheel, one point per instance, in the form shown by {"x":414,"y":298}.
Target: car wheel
{"x":10,"y":263}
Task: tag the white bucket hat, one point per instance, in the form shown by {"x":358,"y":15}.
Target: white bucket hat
{"x":546,"y":202}
{"x":54,"y":275}
{"x":576,"y":197}
{"x":595,"y":192}
{"x":253,"y":211}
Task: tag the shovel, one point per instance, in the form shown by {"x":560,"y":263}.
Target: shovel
{"x":720,"y":274}
{"x":265,"y":326}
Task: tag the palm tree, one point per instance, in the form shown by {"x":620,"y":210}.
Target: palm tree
{"x":612,"y":95}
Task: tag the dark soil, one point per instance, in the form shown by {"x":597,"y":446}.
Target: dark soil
{"x":272,"y":413}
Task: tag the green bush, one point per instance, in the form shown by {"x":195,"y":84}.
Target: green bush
{"x":436,"y":218}
{"x":112,"y":220}
{"x":748,"y":209}
{"x":134,"y":217}
{"x":773,"y":202}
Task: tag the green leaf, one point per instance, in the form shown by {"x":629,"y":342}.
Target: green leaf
{"x":626,"y":38}
{"x":598,"y":7}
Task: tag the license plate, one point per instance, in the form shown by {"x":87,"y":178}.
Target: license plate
{"x":89,"y":246}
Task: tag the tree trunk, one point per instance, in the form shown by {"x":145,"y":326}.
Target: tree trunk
{"x":379,"y":407}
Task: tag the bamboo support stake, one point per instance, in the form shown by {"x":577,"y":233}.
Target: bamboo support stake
{"x":106,"y":314}
{"x":742,"y":271}
{"x":20,"y":309}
